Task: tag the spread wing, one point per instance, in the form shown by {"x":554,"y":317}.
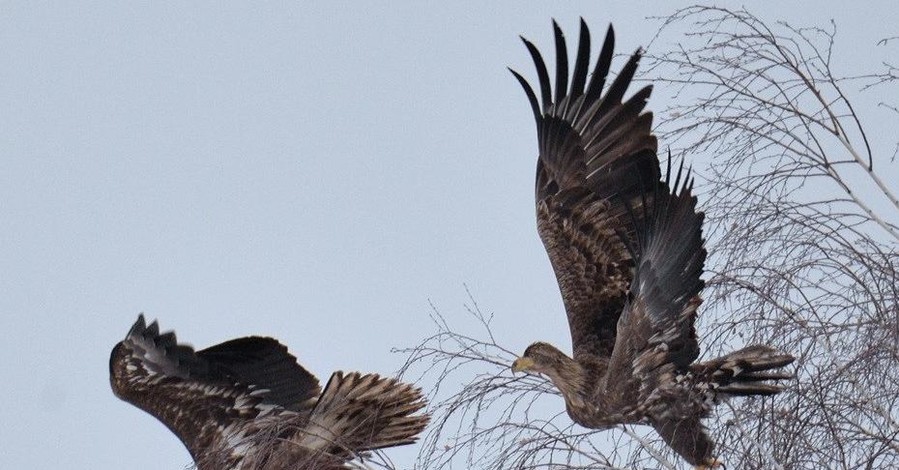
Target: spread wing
{"x":596,"y":153}
{"x":199,"y":395}
{"x":656,"y":335}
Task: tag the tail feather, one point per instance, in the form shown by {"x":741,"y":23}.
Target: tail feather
{"x":358,"y":413}
{"x":748,"y":390}
{"x":742,"y":372}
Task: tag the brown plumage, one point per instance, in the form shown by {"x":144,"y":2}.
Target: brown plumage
{"x":627,"y":250}
{"x":246,"y":404}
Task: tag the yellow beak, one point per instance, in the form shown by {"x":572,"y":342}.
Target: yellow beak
{"x":522,"y":364}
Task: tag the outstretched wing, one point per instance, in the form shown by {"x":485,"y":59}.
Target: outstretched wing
{"x":656,"y":336}
{"x":199,"y":395}
{"x":596,"y":153}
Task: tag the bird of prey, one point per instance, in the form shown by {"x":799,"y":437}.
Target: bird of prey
{"x":627,"y":250}
{"x":246,"y":404}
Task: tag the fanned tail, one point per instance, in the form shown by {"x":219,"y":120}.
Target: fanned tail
{"x":365,"y":412}
{"x":743,"y":372}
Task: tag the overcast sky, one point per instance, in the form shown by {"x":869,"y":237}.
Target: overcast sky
{"x":313,"y":172}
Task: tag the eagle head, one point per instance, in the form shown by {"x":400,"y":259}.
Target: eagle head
{"x":542,"y":358}
{"x":566,"y":373}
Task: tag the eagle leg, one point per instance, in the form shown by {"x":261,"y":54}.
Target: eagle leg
{"x":711,"y":464}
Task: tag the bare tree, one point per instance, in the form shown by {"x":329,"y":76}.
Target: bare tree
{"x":801,"y":229}
{"x":801,"y":258}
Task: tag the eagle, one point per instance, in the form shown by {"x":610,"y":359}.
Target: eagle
{"x":627,"y":249}
{"x":246,"y":404}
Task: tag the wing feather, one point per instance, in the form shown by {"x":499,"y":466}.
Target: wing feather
{"x":595,"y":153}
{"x":266,"y":364}
{"x":656,"y":335}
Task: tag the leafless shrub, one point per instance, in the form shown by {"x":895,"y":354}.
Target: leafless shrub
{"x":493,"y":420}
{"x":801,"y":229}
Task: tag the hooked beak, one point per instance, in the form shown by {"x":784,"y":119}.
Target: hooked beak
{"x":522,"y":364}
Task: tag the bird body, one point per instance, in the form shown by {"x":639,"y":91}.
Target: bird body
{"x":246,"y":404}
{"x":627,"y":249}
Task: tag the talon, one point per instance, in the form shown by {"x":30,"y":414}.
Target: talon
{"x":711,"y":464}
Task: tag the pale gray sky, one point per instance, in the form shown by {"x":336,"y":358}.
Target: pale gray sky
{"x":313,"y":172}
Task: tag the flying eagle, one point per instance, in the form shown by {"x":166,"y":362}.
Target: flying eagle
{"x":627,"y":251}
{"x":246,"y":404}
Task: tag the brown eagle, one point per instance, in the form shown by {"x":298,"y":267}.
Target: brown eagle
{"x":246,"y":403}
{"x":627,"y":250}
